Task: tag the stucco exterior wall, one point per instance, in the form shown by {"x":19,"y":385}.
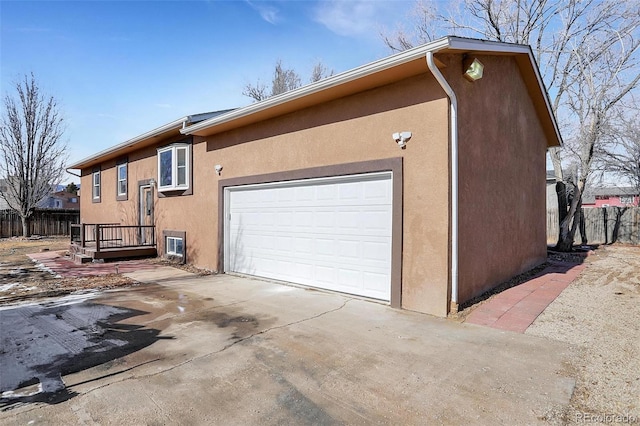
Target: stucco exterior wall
{"x":352,"y":129}
{"x":502,"y":195}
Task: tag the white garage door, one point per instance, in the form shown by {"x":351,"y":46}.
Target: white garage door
{"x":331,"y":233}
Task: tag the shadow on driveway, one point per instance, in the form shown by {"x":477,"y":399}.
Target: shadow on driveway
{"x":41,"y":343}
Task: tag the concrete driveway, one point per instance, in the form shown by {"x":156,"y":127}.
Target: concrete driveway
{"x":229,"y":350}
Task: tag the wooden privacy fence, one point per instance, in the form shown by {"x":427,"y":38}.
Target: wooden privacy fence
{"x":45,"y":222}
{"x":602,"y":225}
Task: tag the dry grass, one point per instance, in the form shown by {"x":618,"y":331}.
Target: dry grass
{"x":21,"y":279}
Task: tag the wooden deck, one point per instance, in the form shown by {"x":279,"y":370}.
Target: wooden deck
{"x":118,"y":252}
{"x":112,"y":241}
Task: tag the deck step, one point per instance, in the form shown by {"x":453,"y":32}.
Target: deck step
{"x":81,"y":258}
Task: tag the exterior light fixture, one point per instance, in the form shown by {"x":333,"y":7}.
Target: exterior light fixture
{"x":473,"y":69}
{"x":401,"y":138}
{"x":152,"y":182}
{"x":218,"y":169}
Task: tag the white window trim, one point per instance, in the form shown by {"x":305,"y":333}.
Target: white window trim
{"x":94,"y":193}
{"x":173,"y":252}
{"x":174,"y":167}
{"x":126,"y":184}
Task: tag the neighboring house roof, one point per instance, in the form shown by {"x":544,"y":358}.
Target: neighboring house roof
{"x":375,"y":74}
{"x":385,"y":71}
{"x":145,"y":139}
{"x":614,"y":191}
{"x":591,"y":194}
{"x":67,"y":200}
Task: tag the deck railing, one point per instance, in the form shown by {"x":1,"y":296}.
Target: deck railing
{"x":113,"y":235}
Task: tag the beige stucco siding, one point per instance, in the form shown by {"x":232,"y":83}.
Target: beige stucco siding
{"x":352,"y":129}
{"x":502,"y":176}
{"x":359,"y":128}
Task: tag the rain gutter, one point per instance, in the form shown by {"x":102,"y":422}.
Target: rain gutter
{"x":453,"y":125}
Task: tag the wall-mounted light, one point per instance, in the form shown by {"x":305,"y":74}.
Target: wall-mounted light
{"x":218,"y":169}
{"x":152,"y":183}
{"x":473,"y":68}
{"x":401,"y":138}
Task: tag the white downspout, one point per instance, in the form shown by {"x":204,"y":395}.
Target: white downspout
{"x":454,"y":174}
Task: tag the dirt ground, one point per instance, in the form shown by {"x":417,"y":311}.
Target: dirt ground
{"x":21,"y":279}
{"x":599,"y":313}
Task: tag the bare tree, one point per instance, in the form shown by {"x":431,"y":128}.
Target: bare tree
{"x":32,"y":153}
{"x":621,"y":156}
{"x":257,"y":92}
{"x":588,"y":54}
{"x":319,"y":72}
{"x":283,"y":80}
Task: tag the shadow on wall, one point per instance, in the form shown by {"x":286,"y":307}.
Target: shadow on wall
{"x":46,"y":342}
{"x":238,"y":261}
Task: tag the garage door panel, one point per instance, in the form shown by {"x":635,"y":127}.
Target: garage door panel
{"x":376,"y":251}
{"x":376,"y":282}
{"x":350,"y":278}
{"x":328,"y":233}
{"x":349,"y":249}
{"x":303,"y":245}
{"x":324,"y":247}
{"x":324,"y":219}
{"x":326,"y":192}
{"x":376,"y":192}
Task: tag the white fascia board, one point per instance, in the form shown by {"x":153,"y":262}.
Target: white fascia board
{"x":174,"y":125}
{"x":450,"y":42}
{"x":336,"y":80}
{"x":461,"y":43}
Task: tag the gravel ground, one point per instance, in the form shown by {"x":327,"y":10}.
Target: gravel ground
{"x":599,"y":313}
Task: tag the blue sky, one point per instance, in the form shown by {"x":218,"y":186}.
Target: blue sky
{"x":121,"y":68}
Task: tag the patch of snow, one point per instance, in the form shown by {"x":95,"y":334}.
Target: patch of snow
{"x":42,"y":267}
{"x":13,"y":394}
{"x":71,"y":299}
{"x":5,"y":287}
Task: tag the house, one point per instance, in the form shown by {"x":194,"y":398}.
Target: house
{"x":61,"y":200}
{"x":612,"y":197}
{"x":57,"y":199}
{"x":3,"y":189}
{"x":416,"y":180}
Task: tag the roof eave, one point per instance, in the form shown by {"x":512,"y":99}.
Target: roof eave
{"x":199,"y":129}
{"x":206,"y":127}
{"x":131,"y":143}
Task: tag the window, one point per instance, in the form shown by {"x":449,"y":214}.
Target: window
{"x":626,"y":200}
{"x":173,"y":167}
{"x":121,"y":174}
{"x":174,"y":246}
{"x":96,"y":186}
